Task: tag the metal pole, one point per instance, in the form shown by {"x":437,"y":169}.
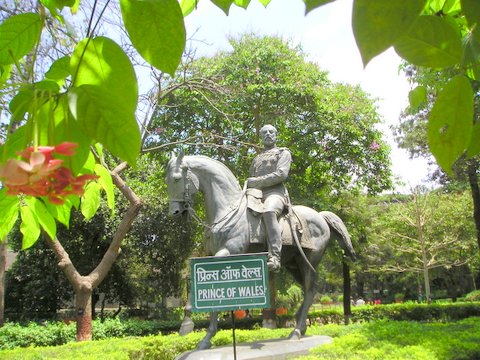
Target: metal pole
{"x":233,"y":335}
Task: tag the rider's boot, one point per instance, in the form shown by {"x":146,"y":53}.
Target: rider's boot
{"x":274,"y":238}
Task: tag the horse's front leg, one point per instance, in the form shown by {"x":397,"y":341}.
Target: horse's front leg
{"x":211,"y":331}
{"x":309,"y":289}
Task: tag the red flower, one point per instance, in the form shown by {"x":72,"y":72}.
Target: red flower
{"x":43,"y":175}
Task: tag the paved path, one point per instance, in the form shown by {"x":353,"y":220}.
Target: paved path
{"x":261,"y":350}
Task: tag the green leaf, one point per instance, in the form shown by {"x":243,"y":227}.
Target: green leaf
{"x":431,"y":42}
{"x":474,"y":147}
{"x":435,"y":5}
{"x":242,"y":3}
{"x":5,"y":71}
{"x":188,"y":6}
{"x":21,"y":104}
{"x":31,"y":98}
{"x":471,"y":10}
{"x":451,"y":121}
{"x":313,"y":4}
{"x":106,"y":182}
{"x":55,"y":114}
{"x":106,"y":120}
{"x":16,"y":141}
{"x":452,"y":7}
{"x":105,"y":64}
{"x":417,"y":97}
{"x":45,"y":219}
{"x":29,"y":227}
{"x":471,"y":60}
{"x":157,"y":31}
{"x":59,"y":70}
{"x":105,"y":99}
{"x":60,"y":212}
{"x":223,"y":4}
{"x":9,"y":211}
{"x":377,"y":24}
{"x":18,"y":36}
{"x":90,"y":200}
{"x":266,"y":2}
{"x":53,"y":6}
{"x":89,"y":165}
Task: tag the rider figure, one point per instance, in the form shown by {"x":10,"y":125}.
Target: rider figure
{"x":268,"y":172}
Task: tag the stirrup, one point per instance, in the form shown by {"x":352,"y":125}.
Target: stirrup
{"x":273,"y":263}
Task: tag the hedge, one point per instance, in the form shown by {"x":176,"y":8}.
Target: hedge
{"x":400,"y":312}
{"x":56,"y":333}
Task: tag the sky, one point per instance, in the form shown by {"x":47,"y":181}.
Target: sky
{"x":326,"y":36}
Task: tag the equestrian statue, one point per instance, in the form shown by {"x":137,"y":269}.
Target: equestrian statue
{"x":257,"y":218}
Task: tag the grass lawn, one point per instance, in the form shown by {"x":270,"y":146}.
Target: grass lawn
{"x":374,"y":340}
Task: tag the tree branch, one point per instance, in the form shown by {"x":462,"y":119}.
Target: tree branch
{"x":102,"y":269}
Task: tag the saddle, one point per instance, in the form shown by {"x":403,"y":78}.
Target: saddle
{"x":257,"y":233}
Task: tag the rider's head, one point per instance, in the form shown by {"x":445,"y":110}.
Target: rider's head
{"x":269,"y":136}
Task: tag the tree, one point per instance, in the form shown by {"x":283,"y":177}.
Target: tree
{"x":425,"y":233}
{"x":329,"y":128}
{"x":411,"y":133}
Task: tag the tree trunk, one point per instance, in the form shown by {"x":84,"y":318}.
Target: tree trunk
{"x":83,"y":304}
{"x":84,"y":285}
{"x":95,"y":298}
{"x":347,"y":293}
{"x":473,"y":181}
{"x":426,"y":279}
{"x":3,"y":263}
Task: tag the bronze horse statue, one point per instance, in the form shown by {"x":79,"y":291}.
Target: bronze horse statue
{"x":229,"y":229}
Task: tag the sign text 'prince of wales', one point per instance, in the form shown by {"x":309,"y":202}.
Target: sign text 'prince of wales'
{"x":230,"y":283}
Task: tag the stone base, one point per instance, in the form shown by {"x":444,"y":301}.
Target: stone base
{"x":278,"y":349}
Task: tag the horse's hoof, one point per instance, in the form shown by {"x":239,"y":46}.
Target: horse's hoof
{"x":295,"y":335}
{"x":204,"y":344}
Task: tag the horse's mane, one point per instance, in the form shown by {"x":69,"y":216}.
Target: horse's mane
{"x":229,"y":174}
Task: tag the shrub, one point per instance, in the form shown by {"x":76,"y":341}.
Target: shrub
{"x":48,"y":334}
{"x":325,"y":299}
{"x":473,"y":296}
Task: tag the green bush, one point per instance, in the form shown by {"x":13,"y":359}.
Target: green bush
{"x":383,"y":339}
{"x":325,"y":299}
{"x":398,"y":340}
{"x":399,"y":312}
{"x":48,"y":334}
{"x":57,"y":333}
{"x":473,"y":296}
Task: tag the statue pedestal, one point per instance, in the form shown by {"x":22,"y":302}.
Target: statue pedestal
{"x":277,"y":349}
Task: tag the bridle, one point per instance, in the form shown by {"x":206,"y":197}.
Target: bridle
{"x":187,"y":200}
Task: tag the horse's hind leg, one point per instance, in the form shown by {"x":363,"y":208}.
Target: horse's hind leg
{"x":309,"y":289}
{"x":205,"y":343}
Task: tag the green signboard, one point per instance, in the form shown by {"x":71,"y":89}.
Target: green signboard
{"x":229,"y":282}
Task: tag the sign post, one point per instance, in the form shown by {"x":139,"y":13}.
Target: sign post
{"x":230,"y":283}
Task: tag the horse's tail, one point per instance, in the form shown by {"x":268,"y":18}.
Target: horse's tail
{"x":338,"y":227}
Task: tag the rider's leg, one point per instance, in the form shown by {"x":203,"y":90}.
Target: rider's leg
{"x":274,"y":239}
{"x":273,"y":207}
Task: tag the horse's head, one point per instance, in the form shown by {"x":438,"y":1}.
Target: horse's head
{"x":182,"y":184}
